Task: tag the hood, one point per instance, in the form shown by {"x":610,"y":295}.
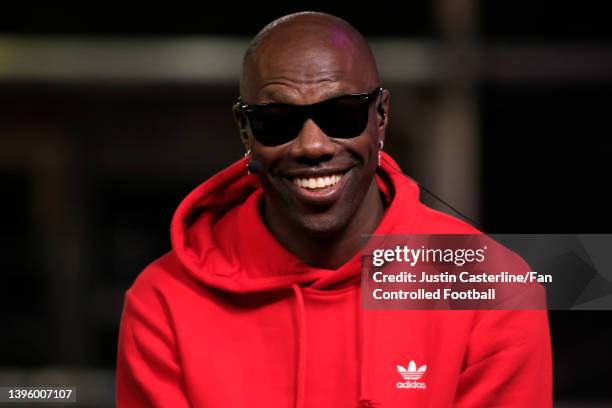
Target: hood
{"x":219,"y":236}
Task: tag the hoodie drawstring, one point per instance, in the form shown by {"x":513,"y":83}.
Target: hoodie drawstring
{"x":362,"y":361}
{"x":364,"y":401}
{"x":301,"y":340}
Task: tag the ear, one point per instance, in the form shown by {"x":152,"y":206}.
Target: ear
{"x":241,"y":122}
{"x":382,"y":111}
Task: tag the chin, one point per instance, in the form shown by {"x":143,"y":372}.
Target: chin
{"x":322,"y":225}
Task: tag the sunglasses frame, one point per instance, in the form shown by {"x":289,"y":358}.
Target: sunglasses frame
{"x":306,"y":111}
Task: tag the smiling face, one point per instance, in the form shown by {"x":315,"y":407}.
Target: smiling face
{"x":314,"y":183}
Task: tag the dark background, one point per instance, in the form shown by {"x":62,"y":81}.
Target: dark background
{"x":92,"y":170}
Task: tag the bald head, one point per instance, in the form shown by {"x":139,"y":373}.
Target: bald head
{"x":303,"y":50}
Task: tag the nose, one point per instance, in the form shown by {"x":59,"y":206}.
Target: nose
{"x":312,"y":144}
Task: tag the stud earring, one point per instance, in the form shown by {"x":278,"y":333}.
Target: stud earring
{"x":248,"y":152}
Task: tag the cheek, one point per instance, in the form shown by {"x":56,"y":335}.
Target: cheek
{"x":367,"y":143}
{"x":268,"y":157}
{"x":366,"y":148}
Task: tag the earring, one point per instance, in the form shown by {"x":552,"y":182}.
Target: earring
{"x":380,"y":147}
{"x":248,"y":152}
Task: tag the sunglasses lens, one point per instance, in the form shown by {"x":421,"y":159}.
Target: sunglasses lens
{"x":275,"y":125}
{"x":342,"y":118}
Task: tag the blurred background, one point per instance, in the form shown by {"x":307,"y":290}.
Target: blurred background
{"x":109,"y":118}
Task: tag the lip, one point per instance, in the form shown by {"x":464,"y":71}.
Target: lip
{"x":320,"y":196}
{"x":314,"y":173}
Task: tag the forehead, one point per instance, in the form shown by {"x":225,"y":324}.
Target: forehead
{"x":306,"y":69}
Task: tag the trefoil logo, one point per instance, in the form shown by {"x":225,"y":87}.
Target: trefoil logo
{"x":412,"y":375}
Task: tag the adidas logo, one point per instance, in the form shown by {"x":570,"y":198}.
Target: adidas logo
{"x":411,"y":374}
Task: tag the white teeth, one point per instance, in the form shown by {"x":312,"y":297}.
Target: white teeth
{"x":317,"y":182}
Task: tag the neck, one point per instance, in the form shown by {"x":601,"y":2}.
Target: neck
{"x":330,"y":251}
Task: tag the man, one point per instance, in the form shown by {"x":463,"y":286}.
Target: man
{"x":258,"y":303}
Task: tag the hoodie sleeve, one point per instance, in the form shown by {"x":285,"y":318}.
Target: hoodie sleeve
{"x":148,"y":373}
{"x":508,"y":362}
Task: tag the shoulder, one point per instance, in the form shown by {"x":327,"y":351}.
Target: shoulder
{"x":162,"y":278}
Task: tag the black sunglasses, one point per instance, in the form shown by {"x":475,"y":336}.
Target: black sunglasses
{"x":343,"y":117}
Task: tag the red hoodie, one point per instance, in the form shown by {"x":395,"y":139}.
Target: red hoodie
{"x":229,"y":318}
